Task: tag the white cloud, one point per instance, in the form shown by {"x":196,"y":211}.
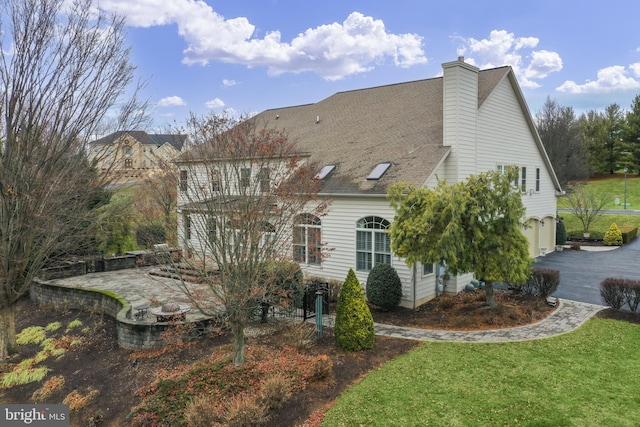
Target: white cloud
{"x":171,"y":101}
{"x":229,"y":83}
{"x":214,"y":103}
{"x":504,"y":48}
{"x":333,"y":51}
{"x":635,"y":68}
{"x":610,"y":79}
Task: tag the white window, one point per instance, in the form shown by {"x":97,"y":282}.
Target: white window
{"x":523,"y":179}
{"x":307,"y":239}
{"x":243,"y":240}
{"x":427,"y":269}
{"x":187,"y":227}
{"x":184,"y":183}
{"x":215,"y":180}
{"x":263,"y":178}
{"x":373,"y":245}
{"x":211,"y":229}
{"x":268,"y":238}
{"x":245,"y":177}
{"x":537,"y":180}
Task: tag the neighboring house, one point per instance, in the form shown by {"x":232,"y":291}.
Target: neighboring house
{"x":135,"y":155}
{"x":466,"y":122}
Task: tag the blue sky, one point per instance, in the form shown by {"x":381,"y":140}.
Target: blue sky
{"x":246,"y":56}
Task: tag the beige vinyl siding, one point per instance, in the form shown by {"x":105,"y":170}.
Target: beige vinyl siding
{"x":504,"y":138}
{"x":339,"y":236}
{"x":460,"y":98}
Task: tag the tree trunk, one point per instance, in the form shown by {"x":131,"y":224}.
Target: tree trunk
{"x":8,"y":344}
{"x":239,"y":346}
{"x":491,"y":296}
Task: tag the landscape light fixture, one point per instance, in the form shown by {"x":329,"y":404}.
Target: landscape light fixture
{"x":625,"y":188}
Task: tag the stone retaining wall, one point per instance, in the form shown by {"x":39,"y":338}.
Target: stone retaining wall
{"x":68,"y":269}
{"x":119,"y":262}
{"x":132,"y":334}
{"x":131,"y":259}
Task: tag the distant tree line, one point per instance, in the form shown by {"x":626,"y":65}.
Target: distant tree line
{"x":596,"y":143}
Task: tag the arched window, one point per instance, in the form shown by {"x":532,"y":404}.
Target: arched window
{"x":307,"y":239}
{"x":373,"y":245}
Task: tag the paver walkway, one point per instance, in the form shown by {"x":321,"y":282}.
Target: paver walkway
{"x":138,"y":287}
{"x":568,"y":316}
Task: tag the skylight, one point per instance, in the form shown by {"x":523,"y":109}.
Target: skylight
{"x":326,"y":170}
{"x":378,"y":171}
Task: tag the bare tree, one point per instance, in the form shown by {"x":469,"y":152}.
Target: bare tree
{"x":61,"y":72}
{"x":241,"y":188}
{"x":561,"y":135}
{"x":587,"y":205}
{"x":156,"y":200}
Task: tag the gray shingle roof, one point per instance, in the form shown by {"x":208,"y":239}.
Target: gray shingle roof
{"x":356,"y":130}
{"x":177,"y":141}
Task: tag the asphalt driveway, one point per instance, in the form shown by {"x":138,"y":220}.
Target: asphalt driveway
{"x":582,"y":271}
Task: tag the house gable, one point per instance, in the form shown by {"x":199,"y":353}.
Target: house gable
{"x":134,"y":155}
{"x":466,"y":122}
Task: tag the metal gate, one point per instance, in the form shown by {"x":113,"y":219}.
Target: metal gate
{"x":312,"y":290}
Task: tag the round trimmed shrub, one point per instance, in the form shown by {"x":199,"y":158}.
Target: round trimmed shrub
{"x":354,"y":324}
{"x":384,"y":287}
{"x":542,"y":281}
{"x":612,"y":292}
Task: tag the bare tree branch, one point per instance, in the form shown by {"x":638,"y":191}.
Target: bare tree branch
{"x":61,"y":75}
{"x":241,"y":188}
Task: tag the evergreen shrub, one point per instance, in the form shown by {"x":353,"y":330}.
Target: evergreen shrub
{"x":628,"y":233}
{"x":384,"y":287}
{"x":613,"y":236}
{"x":354,"y":324}
{"x":561,"y":232}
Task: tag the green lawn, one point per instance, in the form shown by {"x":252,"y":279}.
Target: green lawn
{"x":586,"y":377}
{"x":615,"y":188}
{"x":600,"y":225}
